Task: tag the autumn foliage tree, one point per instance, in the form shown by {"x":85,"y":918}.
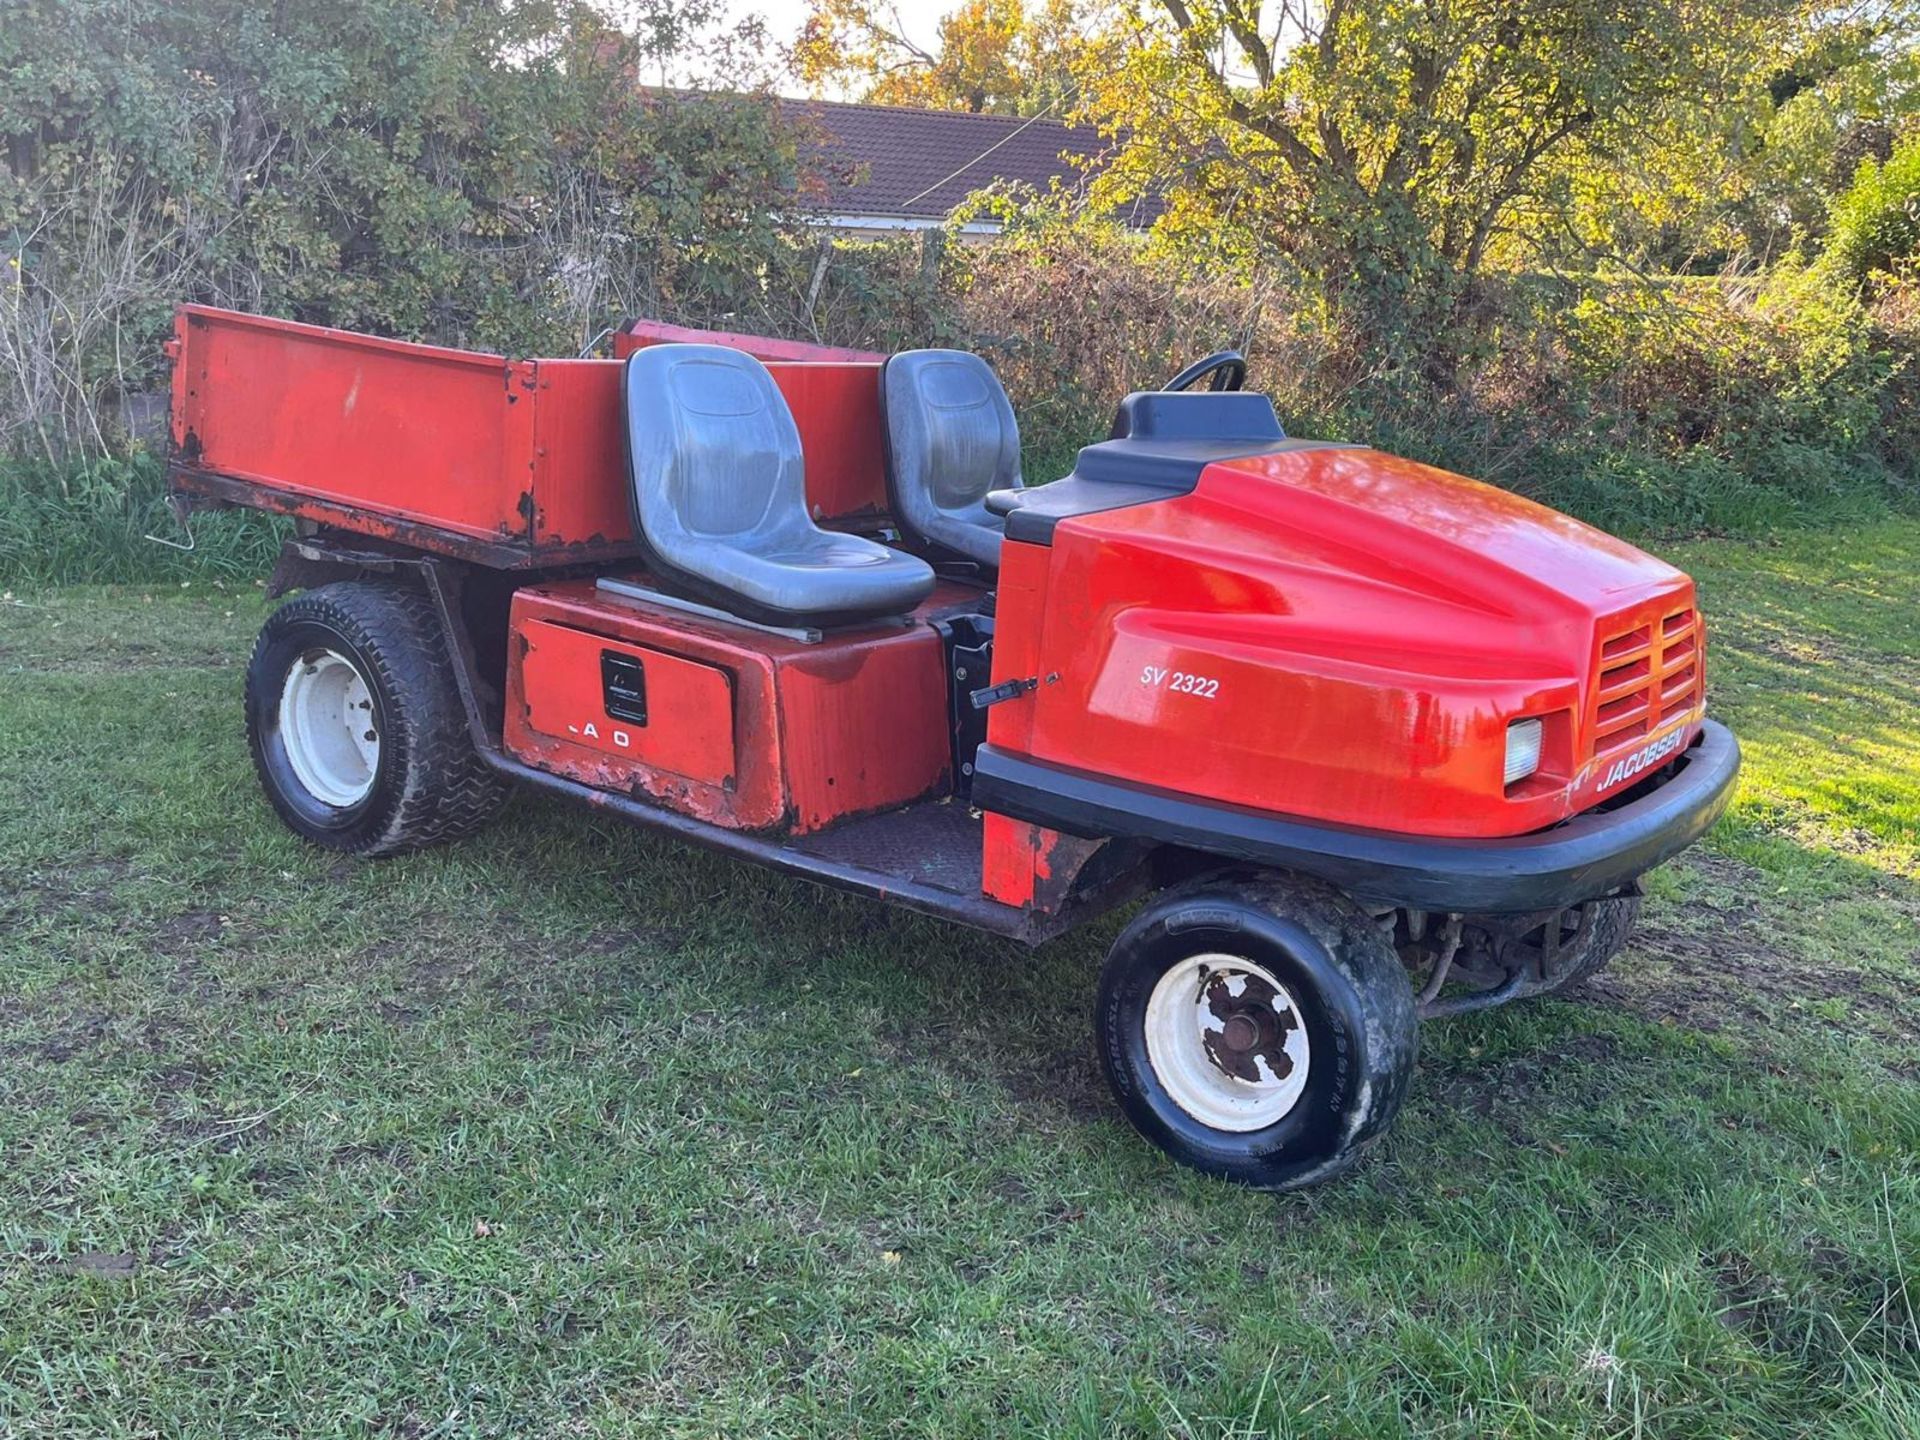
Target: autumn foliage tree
{"x":995,"y":56}
{"x":1387,"y":150}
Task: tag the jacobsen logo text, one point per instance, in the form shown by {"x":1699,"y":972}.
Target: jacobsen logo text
{"x":1642,"y":758}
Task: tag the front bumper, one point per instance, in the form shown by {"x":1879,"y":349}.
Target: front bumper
{"x":1593,"y":854}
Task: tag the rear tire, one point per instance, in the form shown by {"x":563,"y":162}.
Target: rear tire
{"x":1261,"y":1030}
{"x":356,"y":727}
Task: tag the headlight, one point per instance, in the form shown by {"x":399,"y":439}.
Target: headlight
{"x":1523,"y":750}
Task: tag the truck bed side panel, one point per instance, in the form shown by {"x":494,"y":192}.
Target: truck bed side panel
{"x":508,"y":463}
{"x":410,"y":432}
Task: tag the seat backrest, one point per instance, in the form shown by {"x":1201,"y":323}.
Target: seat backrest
{"x":714,"y":452}
{"x":951,"y":437}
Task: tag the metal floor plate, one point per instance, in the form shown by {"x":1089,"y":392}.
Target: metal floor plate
{"x":937,"y":844}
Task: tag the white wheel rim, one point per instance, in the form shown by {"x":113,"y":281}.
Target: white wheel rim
{"x":327,"y":726}
{"x":1227,"y":1042}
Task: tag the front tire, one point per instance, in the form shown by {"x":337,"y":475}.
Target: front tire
{"x":1569,"y":946}
{"x":356,"y":727}
{"x":1261,"y":1030}
{"x":1608,"y":931}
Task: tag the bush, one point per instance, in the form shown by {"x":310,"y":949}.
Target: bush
{"x":1713,"y":404}
{"x":1734,"y":405}
{"x":1876,"y":223}
{"x":472,"y":172}
{"x":1073,"y":319}
{"x":88,"y":521}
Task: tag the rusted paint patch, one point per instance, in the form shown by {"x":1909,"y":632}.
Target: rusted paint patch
{"x":1254,"y":1023}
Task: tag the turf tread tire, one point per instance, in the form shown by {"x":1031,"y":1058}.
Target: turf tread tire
{"x":1350,"y":954}
{"x":431,"y":786}
{"x":1613,"y":925}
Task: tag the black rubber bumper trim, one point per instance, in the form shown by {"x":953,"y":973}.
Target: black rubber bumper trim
{"x":1591,"y":855}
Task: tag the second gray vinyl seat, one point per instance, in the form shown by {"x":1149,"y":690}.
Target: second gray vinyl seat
{"x":719,"y":498}
{"x":951,"y":441}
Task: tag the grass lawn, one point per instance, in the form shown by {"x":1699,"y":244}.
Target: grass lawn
{"x":569,"y":1131}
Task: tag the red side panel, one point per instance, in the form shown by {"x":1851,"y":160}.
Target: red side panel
{"x":1008,"y":860}
{"x":747,"y":730}
{"x":402,"y":431}
{"x":578,"y":470}
{"x":1030,"y":866}
{"x":554,"y":699}
{"x":836,"y":408}
{"x":580,"y":461}
{"x":1019,"y":614}
{"x":642,"y":333}
{"x":863,"y":724}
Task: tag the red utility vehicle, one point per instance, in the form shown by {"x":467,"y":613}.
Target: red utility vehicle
{"x":1380,"y":742}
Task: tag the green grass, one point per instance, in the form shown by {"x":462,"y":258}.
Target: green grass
{"x":568,"y":1131}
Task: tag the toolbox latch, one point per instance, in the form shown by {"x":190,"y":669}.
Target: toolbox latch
{"x":623,"y":687}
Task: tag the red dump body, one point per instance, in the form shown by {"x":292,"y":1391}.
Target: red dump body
{"x":512,"y":463}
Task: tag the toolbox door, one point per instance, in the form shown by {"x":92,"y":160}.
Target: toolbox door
{"x":629,"y":701}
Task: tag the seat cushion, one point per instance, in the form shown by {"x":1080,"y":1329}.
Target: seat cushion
{"x":951,"y":438}
{"x":719,"y":497}
{"x":825,"y":578}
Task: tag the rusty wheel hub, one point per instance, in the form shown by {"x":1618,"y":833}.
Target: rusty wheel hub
{"x":1226,"y":1039}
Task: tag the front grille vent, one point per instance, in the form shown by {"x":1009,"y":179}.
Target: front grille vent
{"x":1649,"y":673}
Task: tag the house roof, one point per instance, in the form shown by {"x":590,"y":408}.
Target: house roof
{"x":892,"y":161}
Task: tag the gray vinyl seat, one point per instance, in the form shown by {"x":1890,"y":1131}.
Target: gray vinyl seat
{"x":719,"y":498}
{"x":951,"y":441}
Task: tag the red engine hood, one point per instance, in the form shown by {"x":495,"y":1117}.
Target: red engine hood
{"x":1398,"y":522}
{"x":1346,"y":635}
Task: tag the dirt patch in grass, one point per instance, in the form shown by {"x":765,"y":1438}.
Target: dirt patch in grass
{"x":1066,"y":1083}
{"x":1751,"y":1301}
{"x":44,"y":894}
{"x":104,"y":1266}
{"x":1713,"y":966}
{"x":80,"y":1033}
{"x":1520,"y":1096}
{"x":395,"y":1155}
{"x":221,"y":1305}
{"x":188,"y":929}
{"x":1876,"y":1300}
{"x":1062,"y":1085}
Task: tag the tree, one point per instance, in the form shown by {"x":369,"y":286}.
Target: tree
{"x":481,"y":172}
{"x":1390,"y":149}
{"x":1843,"y":97}
{"x":1754,"y":177}
{"x":991,"y":55}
